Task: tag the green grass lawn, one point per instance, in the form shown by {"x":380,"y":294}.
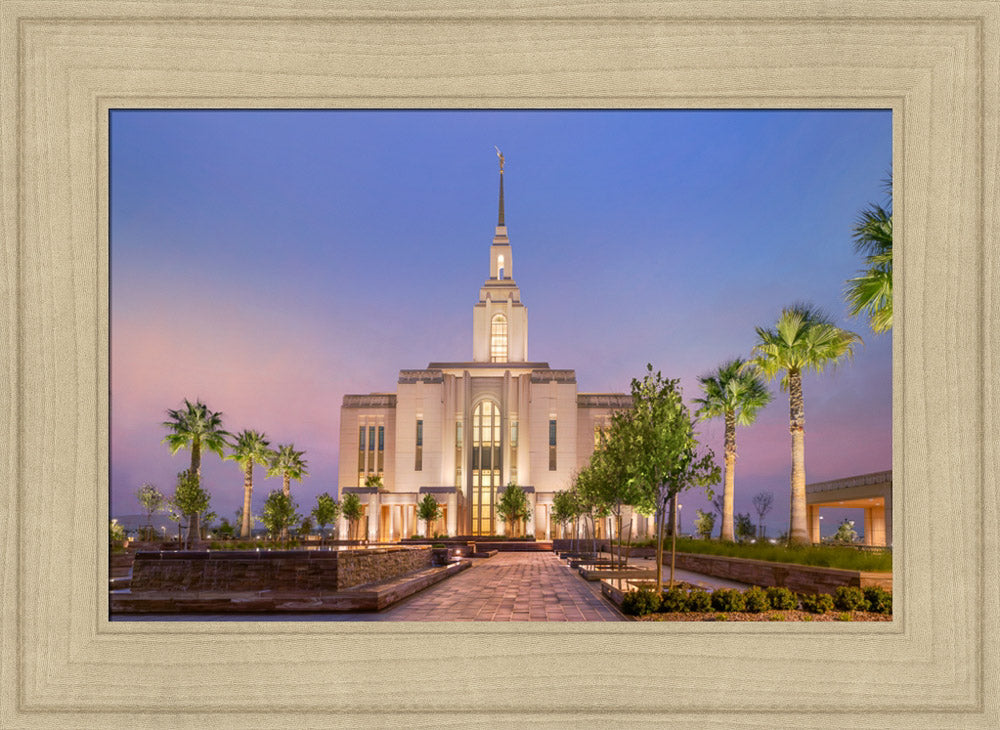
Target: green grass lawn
{"x":826,"y":556}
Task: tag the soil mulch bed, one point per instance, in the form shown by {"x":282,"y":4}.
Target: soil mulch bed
{"x":778,"y":616}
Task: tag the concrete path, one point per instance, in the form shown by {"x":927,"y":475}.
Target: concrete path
{"x":508,"y":587}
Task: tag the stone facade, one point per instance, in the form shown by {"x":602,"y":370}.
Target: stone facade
{"x":287,"y":570}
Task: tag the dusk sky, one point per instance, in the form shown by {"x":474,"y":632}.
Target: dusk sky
{"x":269,"y":262}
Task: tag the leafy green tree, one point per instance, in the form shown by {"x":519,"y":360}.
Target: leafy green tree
{"x":429,"y":511}
{"x":663,"y":452}
{"x":845,"y":532}
{"x":353,"y":511}
{"x":704,"y":523}
{"x":591,"y":501}
{"x":195,"y":427}
{"x":870,"y":292}
{"x":804,"y":338}
{"x":226,"y":530}
{"x":374,"y":481}
{"x":279,"y":513}
{"x":513,"y":508}
{"x":612,"y":475}
{"x":287,"y":463}
{"x":734,"y":393}
{"x":744,"y":527}
{"x":249,"y":448}
{"x":152,"y":500}
{"x":116,"y":534}
{"x":191,"y":500}
{"x":305,"y":527}
{"x":566,"y":508}
{"x":326,"y":511}
{"x":762,"y":505}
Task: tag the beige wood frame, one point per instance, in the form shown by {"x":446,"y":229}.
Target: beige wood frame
{"x":63,"y":65}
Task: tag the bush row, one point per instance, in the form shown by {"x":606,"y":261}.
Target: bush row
{"x":755,"y":600}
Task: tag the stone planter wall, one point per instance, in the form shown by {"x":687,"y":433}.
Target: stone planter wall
{"x":799,"y":578}
{"x":281,"y":570}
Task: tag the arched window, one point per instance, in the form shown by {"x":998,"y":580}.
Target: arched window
{"x":500,"y":266}
{"x":498,"y":339}
{"x":485,"y":467}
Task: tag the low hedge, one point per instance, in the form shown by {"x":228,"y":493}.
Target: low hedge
{"x":755,"y":600}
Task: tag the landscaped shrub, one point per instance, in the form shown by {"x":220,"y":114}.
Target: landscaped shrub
{"x":782,"y":599}
{"x":640,"y":602}
{"x":728,"y":599}
{"x":816,"y":603}
{"x":674,"y":600}
{"x":878,"y":599}
{"x":756,"y":600}
{"x":699,"y":601}
{"x":849,"y":598}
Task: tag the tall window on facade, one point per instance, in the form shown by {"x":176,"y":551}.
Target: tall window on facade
{"x":513,"y":451}
{"x":485,"y":465}
{"x":552,"y":444}
{"x":418,"y":459}
{"x":498,"y":339}
{"x":458,"y":453}
{"x":361,"y":450}
{"x":381,"y":449}
{"x":500,"y":267}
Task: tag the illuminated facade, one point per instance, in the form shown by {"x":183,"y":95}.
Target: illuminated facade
{"x":462,"y":430}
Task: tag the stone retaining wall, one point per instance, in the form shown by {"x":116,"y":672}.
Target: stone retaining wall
{"x":281,"y":570}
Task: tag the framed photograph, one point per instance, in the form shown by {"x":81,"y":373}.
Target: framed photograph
{"x":68,"y":69}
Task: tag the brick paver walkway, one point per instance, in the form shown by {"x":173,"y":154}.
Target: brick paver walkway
{"x":508,"y":587}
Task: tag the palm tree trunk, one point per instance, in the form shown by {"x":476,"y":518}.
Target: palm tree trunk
{"x":196,"y":456}
{"x":798,"y":531}
{"x":728,"y":491}
{"x":286,"y":483}
{"x":247,"y":499}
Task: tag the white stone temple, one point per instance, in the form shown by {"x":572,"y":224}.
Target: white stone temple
{"x":461,"y":431}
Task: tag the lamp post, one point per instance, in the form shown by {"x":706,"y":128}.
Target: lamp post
{"x":680,"y":520}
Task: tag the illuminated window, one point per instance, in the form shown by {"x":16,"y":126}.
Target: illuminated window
{"x":498,"y":339}
{"x":552,"y":445}
{"x":381,"y":449}
{"x":361,"y":450}
{"x":418,"y":461}
{"x":500,"y":267}
{"x":485,"y":467}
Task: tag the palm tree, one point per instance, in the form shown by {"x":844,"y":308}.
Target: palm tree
{"x":287,"y":463}
{"x":195,"y":427}
{"x":735,"y":393}
{"x":804,"y":338}
{"x":249,"y":448}
{"x":871,"y":291}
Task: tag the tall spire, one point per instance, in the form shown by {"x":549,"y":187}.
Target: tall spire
{"x":500,"y":216}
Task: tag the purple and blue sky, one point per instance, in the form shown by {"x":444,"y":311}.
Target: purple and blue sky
{"x":268,"y":262}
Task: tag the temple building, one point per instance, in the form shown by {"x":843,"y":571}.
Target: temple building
{"x":461,"y":431}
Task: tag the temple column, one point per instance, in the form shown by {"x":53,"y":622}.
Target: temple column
{"x":812,"y":516}
{"x":451,"y":524}
{"x":532,"y":504}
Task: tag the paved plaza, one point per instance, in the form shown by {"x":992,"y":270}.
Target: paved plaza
{"x":508,"y":587}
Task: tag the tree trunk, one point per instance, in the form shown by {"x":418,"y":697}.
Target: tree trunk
{"x":726,"y":532}
{"x":661,"y":508}
{"x":798,"y":530}
{"x":193,"y":535}
{"x":247,"y":500}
